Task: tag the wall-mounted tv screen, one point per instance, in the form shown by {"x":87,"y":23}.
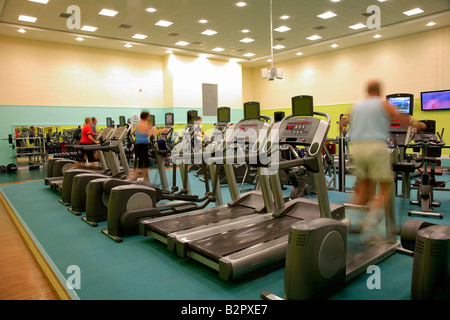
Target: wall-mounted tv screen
{"x":403,"y":102}
{"x":435,"y":100}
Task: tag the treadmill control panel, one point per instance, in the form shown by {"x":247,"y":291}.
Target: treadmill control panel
{"x":246,"y":130}
{"x":299,"y":130}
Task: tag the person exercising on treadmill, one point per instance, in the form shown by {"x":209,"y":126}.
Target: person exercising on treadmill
{"x":87,"y":138}
{"x":369,"y":123}
{"x":144,"y":130}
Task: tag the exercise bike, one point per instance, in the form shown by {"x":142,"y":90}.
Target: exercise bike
{"x":431,"y":146}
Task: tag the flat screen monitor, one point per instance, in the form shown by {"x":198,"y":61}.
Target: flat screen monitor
{"x":169,"y":119}
{"x":192,"y":116}
{"x":435,"y":100}
{"x":403,"y":102}
{"x":302,"y":106}
{"x":252,"y":110}
{"x":152,"y":119}
{"x":223,"y":114}
{"x":109,"y":122}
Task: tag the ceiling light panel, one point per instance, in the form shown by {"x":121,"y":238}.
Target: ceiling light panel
{"x":139,"y":36}
{"x":413,"y":12}
{"x":314,"y":37}
{"x":163,"y":23}
{"x":357,"y":26}
{"x":39,"y":1}
{"x":209,"y":32}
{"x":282,"y":29}
{"x":27,"y":18}
{"x":108,"y":13}
{"x":327,"y":15}
{"x":89,"y":28}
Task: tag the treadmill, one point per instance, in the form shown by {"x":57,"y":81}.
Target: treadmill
{"x":242,"y":207}
{"x":129,"y":202}
{"x":60,"y":165}
{"x":242,"y":250}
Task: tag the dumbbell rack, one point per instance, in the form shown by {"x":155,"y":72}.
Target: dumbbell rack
{"x":36,"y":153}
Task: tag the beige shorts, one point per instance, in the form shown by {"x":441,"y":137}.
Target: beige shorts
{"x":372,"y":160}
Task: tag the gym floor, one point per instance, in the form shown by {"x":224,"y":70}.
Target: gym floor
{"x":154,"y":273}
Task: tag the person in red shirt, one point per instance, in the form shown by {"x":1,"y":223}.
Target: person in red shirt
{"x":87,"y":138}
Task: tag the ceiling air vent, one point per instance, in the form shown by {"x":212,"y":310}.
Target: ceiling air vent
{"x":125,"y":26}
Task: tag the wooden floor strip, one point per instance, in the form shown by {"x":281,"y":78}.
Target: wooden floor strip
{"x":21,"y":274}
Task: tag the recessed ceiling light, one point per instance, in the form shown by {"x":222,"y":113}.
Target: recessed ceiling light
{"x":182,"y":43}
{"x":150,"y":9}
{"x":413,"y":11}
{"x":40,"y":1}
{"x":218,"y":49}
{"x":27,"y":18}
{"x":79,"y":39}
{"x":163,"y":23}
{"x":282,"y":29}
{"x":128,"y":45}
{"x":247,"y":40}
{"x":279,"y":46}
{"x":203,"y":21}
{"x":335,"y":0}
{"x":314,"y":37}
{"x":381,"y":0}
{"x":334,"y":45}
{"x":21,"y":30}
{"x":430,"y":24}
{"x":139,"y":36}
{"x":327,"y":15}
{"x":299,"y":53}
{"x":245,"y":31}
{"x":249,"y":54}
{"x":89,"y":28}
{"x":108,"y":12}
{"x":241,"y":4}
{"x":285,"y":17}
{"x":377,"y":36}
{"x":209,"y":32}
{"x":357,"y":26}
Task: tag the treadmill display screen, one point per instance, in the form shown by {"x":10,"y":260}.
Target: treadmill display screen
{"x":223,"y":114}
{"x":169,"y":119}
{"x":302,"y":106}
{"x":251,"y":110}
{"x":192,"y":116}
{"x":122,"y":121}
{"x":152,"y":120}
{"x":403,"y":102}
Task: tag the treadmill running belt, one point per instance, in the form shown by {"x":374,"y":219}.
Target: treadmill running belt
{"x":205,"y":217}
{"x":221,"y":245}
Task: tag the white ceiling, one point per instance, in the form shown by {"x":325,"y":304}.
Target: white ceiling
{"x":224,"y":17}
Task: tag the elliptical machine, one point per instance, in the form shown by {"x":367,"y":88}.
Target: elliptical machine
{"x":431,"y":146}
